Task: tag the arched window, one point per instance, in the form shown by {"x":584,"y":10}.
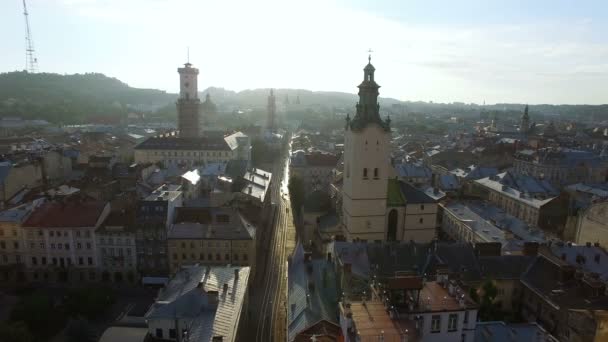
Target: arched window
{"x":376,"y":173}
{"x":365,"y":172}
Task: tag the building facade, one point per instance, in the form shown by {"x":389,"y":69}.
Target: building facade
{"x":154,"y":215}
{"x":411,"y":213}
{"x":212,"y":236}
{"x":316,"y":169}
{"x":116,"y":246}
{"x":194,"y":151}
{"x":531,"y":200}
{"x":562,"y":166}
{"x":60,"y":236}
{"x":13,"y":249}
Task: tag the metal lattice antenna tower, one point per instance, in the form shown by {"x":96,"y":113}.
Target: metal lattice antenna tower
{"x":31,"y":62}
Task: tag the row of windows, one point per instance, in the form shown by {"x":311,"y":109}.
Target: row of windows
{"x":193,"y":154}
{"x":376,"y":172}
{"x":118,"y":240}
{"x":77,"y":233}
{"x":3,"y":245}
{"x":211,"y":244}
{"x":65,"y":246}
{"x":452,"y":323}
{"x":119,"y":251}
{"x":218,"y":257}
{"x":5,"y":259}
{"x":62,"y":261}
{"x":172,"y":333}
{"x":107,"y":263}
{"x":2,"y":232}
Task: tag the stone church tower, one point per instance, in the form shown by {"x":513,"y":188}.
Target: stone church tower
{"x":271,"y":124}
{"x":366,"y":165}
{"x":524,"y":127}
{"x":188,"y":104}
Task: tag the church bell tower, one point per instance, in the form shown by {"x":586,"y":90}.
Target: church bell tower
{"x":366,"y":165}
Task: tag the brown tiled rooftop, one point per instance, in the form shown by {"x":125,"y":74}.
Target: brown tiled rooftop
{"x":68,"y":214}
{"x":433,"y":297}
{"x":371,"y":320}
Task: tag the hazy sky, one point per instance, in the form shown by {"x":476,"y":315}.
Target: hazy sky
{"x":541,"y":51}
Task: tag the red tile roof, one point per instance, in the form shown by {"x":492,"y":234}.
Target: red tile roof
{"x":68,"y":214}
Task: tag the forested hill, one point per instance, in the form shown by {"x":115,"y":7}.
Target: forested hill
{"x":75,"y":98}
{"x":96,"y":98}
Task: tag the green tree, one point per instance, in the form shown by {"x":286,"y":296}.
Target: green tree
{"x":489,"y":308}
{"x":15,"y":332}
{"x":90,"y":303}
{"x":39,"y":314}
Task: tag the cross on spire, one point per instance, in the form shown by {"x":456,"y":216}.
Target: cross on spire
{"x":369,"y":57}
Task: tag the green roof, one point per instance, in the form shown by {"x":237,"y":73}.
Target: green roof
{"x":394,"y":196}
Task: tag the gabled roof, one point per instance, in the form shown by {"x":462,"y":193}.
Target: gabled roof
{"x":308,"y":305}
{"x":386,"y":259}
{"x":189,"y":296}
{"x":401,"y":193}
{"x":413,"y":170}
{"x":232,"y":140}
{"x":211,"y":223}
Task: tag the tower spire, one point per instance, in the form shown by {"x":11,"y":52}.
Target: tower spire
{"x":368,"y":108}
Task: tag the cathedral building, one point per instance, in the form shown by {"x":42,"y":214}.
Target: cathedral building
{"x":371,"y":209}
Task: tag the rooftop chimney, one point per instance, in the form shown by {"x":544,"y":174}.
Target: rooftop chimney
{"x":212,"y":298}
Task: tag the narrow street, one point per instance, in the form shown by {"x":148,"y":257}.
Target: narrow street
{"x":267,"y":305}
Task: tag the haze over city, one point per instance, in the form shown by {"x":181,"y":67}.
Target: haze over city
{"x":517,"y":51}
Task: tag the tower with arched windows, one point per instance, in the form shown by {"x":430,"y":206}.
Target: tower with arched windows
{"x":188,"y":103}
{"x":366,"y":165}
